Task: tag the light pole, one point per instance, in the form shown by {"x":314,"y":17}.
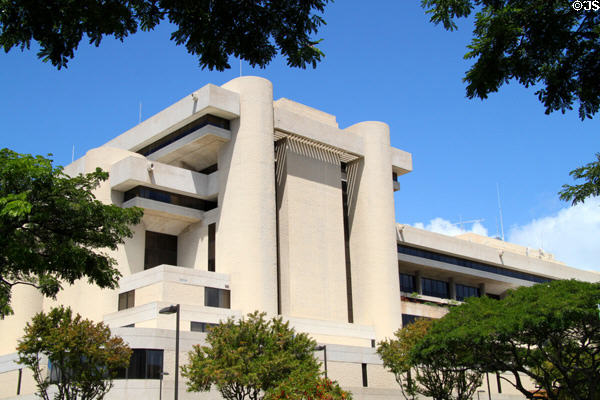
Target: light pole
{"x":174,"y":309}
{"x":324,"y":348}
{"x":162,"y":373}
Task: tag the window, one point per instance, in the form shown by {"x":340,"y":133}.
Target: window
{"x":407,"y":283}
{"x":211,"y":247}
{"x":463,"y":291}
{"x":209,"y":170}
{"x":435,"y":288}
{"x":160,"y":249}
{"x":143,"y":364}
{"x":408,"y":319}
{"x":364,"y":375}
{"x":201,"y":326}
{"x":126,"y":300}
{"x":170,"y":198}
{"x":214,"y":297}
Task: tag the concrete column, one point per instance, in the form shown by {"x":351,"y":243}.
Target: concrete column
{"x":482,"y":291}
{"x":375,"y":280}
{"x":418,"y":282}
{"x":246,"y":240}
{"x":452,"y":287}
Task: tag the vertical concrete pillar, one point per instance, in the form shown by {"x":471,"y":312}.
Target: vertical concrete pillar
{"x":452,"y":287}
{"x":418,"y":282}
{"x":482,"y":290}
{"x":246,"y":238}
{"x":373,"y":252}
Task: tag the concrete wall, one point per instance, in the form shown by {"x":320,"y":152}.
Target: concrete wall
{"x":311,"y":235}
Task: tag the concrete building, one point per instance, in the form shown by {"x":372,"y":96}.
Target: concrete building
{"x":254,"y":204}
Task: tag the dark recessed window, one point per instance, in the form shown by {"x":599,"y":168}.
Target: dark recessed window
{"x":143,"y":364}
{"x":214,"y":297}
{"x":170,"y":198}
{"x":200,"y":326}
{"x":211,"y":247}
{"x":435,"y":288}
{"x":160,"y":249}
{"x":364,"y":375}
{"x":407,"y":283}
{"x":126,"y":300}
{"x":463,"y":291}
{"x":182,"y":132}
{"x":210,"y":170}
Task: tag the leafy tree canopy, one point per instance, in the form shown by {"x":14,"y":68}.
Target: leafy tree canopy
{"x":52,"y":227}
{"x":590,"y":173}
{"x":545,"y":43}
{"x":549,"y":332}
{"x":212,"y":30}
{"x":84,"y":356}
{"x":420,"y":370}
{"x":254,"y":358}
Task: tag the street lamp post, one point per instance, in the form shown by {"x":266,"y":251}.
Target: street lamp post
{"x":324,"y":348}
{"x":174,"y":309}
{"x":162,"y":373}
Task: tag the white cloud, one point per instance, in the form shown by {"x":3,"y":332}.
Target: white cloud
{"x":572,"y":235}
{"x":445,"y":227}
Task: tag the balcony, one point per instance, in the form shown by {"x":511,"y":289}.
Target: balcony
{"x":138,"y":171}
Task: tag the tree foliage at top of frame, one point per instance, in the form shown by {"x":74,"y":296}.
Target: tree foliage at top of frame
{"x":254,"y":31}
{"x":52,"y":228}
{"x":543,"y":43}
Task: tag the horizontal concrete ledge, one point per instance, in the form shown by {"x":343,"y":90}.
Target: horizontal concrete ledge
{"x":135,"y":171}
{"x":191,"y":143}
{"x":209,"y":99}
{"x":170,"y":273}
{"x":8,"y":362}
{"x":401,"y":161}
{"x":165,"y":210}
{"x":149,"y":311}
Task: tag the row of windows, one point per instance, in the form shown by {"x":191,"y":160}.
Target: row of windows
{"x":430,"y":255}
{"x":182,"y":132}
{"x":170,"y":198}
{"x":436,"y":288}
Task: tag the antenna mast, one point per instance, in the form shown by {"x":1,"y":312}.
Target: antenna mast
{"x":500,"y":210}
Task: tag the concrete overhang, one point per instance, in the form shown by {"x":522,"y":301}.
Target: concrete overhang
{"x":495,"y":283}
{"x":164,"y":217}
{"x":209,"y":99}
{"x":197,"y":150}
{"x":172,"y":273}
{"x":401,"y":161}
{"x":135,"y":171}
{"x":289,"y":122}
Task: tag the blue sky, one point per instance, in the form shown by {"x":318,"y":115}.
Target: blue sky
{"x":384,"y":61}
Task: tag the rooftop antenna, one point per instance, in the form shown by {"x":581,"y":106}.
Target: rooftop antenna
{"x":240,"y":67}
{"x":461,"y":222}
{"x":500,"y":210}
{"x":140,"y":115}
{"x":73,"y":154}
